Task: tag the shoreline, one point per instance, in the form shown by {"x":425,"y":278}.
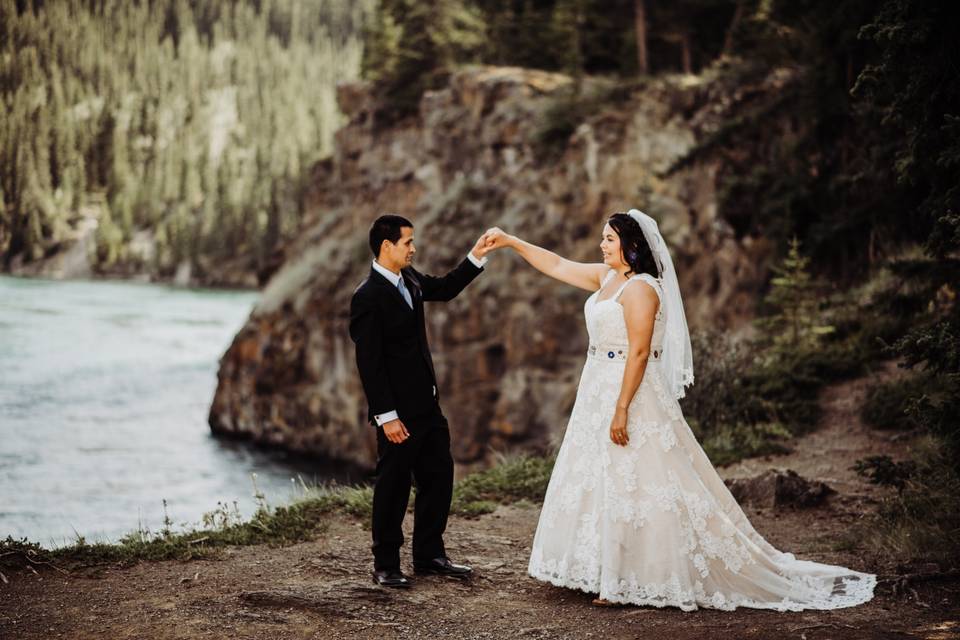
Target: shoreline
{"x":519,"y":479}
{"x":135,"y":279}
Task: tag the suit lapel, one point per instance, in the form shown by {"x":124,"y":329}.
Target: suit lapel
{"x":414,"y":288}
{"x":394,"y":292}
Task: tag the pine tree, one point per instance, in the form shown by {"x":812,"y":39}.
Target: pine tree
{"x":5,"y":220}
{"x":794,"y":324}
{"x":108,"y":238}
{"x":567,"y":25}
{"x":416,"y":44}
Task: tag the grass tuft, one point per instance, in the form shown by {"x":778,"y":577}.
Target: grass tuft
{"x":513,"y":479}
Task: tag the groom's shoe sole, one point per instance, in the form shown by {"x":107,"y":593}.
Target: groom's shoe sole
{"x":463,"y":577}
{"x":446,"y":574}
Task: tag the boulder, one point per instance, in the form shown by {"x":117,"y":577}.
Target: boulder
{"x":777,"y":488}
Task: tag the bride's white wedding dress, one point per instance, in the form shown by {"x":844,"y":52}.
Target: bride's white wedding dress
{"x":652,"y":523}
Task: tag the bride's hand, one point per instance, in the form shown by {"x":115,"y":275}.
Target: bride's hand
{"x":495,"y":239}
{"x":618,"y":428}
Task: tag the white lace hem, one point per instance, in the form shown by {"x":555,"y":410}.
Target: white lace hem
{"x":859,"y":589}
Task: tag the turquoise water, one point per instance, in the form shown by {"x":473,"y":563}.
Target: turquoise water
{"x":104,"y":393}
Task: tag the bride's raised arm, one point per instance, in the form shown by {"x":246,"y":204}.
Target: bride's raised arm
{"x":583,"y":275}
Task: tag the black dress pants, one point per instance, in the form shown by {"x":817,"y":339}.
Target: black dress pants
{"x":425,"y":458}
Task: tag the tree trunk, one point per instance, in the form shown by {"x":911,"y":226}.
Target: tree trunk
{"x":640,"y":21}
{"x":685,"y":51}
{"x":734,"y":23}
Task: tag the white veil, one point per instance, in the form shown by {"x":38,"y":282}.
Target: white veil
{"x":677,"y":358}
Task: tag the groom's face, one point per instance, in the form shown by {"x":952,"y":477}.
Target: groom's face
{"x":401,"y":252}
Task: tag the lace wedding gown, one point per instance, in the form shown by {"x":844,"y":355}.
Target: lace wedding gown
{"x":652,"y":523}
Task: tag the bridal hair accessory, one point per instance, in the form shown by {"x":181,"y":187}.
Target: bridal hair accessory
{"x":677,"y":357}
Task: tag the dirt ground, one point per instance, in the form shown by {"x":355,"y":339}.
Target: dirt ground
{"x":322,"y":589}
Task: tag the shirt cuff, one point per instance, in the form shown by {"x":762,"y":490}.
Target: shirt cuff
{"x":477,"y":262}
{"x":385,"y":417}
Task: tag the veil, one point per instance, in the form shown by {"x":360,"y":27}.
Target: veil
{"x":677,"y":358}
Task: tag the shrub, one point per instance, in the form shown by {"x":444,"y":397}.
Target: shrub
{"x":887,"y":404}
{"x":921,"y":521}
{"x":723,"y":407}
{"x":569,"y":107}
{"x":883,"y":471}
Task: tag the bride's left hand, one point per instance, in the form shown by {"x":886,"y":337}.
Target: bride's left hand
{"x":618,"y":428}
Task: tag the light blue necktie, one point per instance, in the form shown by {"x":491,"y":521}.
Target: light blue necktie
{"x":404,"y":292}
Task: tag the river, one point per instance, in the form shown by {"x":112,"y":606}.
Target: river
{"x":105,"y":388}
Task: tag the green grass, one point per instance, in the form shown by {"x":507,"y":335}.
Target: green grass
{"x":511,"y":480}
{"x":515,"y":479}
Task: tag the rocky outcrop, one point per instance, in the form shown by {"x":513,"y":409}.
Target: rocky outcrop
{"x":777,"y":488}
{"x":508,"y":351}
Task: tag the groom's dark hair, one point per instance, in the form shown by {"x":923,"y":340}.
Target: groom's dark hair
{"x":386,"y":227}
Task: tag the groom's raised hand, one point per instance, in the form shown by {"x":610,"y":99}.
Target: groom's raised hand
{"x":483,"y":246}
{"x":494,"y":239}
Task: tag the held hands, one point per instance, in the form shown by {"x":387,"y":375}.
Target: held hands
{"x":618,"y":428}
{"x":494,"y":238}
{"x":395,"y":431}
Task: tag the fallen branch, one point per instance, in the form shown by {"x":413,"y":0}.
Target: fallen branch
{"x":37,"y":562}
{"x":900,"y":584}
{"x":906,"y":435}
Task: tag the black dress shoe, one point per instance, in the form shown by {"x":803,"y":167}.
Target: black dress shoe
{"x":442,"y":567}
{"x":392,"y":578}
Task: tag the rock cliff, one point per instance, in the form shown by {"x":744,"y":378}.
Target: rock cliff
{"x":508,"y":351}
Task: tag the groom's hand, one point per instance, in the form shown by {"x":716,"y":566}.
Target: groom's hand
{"x":395,"y":431}
{"x":481,"y":248}
{"x":494,"y":239}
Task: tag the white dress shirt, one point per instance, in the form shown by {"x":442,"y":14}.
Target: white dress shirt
{"x":394,"y":279}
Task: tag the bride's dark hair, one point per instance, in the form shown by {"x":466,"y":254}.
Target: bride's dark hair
{"x":633,"y":244}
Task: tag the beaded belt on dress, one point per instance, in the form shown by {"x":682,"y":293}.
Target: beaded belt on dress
{"x":617,"y":352}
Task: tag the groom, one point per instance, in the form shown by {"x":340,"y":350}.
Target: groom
{"x":396,"y":369}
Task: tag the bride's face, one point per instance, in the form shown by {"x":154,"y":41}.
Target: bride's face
{"x":610,"y":246}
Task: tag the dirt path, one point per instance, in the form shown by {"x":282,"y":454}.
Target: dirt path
{"x":828,"y":453}
{"x":321,"y":589}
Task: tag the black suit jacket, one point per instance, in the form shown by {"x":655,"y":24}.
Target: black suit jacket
{"x":393,"y":357}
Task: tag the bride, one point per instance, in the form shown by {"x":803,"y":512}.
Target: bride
{"x":634,"y":511}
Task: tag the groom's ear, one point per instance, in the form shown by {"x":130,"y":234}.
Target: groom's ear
{"x":385,"y":245}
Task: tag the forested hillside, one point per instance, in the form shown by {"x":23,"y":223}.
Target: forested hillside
{"x":187,"y":129}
